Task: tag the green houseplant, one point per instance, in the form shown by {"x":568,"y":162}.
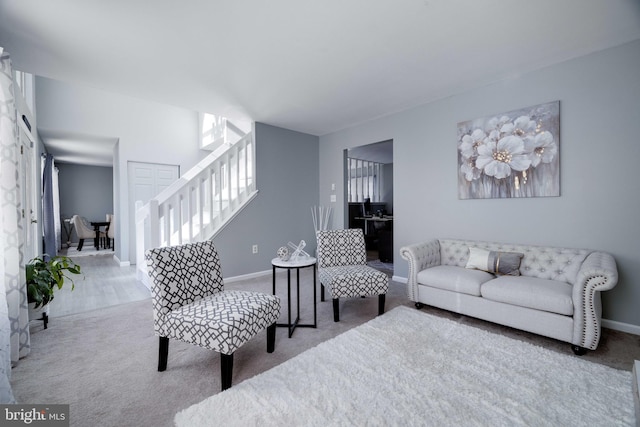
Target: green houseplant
{"x":44,"y":274}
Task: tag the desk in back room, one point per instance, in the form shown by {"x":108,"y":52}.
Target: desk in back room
{"x":383,"y":237}
{"x":369,"y":219}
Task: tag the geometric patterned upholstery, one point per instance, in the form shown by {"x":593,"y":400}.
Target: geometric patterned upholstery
{"x":341,"y":247}
{"x":353,"y":281}
{"x":343,"y":269}
{"x":222,"y":322}
{"x":191,"y":305}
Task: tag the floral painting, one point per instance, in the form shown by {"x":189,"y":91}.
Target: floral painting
{"x":514,"y":154}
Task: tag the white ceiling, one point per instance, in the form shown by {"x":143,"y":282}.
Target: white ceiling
{"x":68,"y":147}
{"x":315,"y":67}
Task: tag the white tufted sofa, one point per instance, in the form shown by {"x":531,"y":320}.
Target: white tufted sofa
{"x":556,"y":295}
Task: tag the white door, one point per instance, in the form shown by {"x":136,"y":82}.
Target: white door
{"x":30,"y":193}
{"x":146,"y":180}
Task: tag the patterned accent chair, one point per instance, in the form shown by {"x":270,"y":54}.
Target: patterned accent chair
{"x":343,"y":269}
{"x":191,"y":305}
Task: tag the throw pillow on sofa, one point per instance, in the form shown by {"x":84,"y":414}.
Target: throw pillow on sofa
{"x":499,"y":263}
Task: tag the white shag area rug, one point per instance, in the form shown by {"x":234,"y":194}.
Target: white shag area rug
{"x":409,"y":368}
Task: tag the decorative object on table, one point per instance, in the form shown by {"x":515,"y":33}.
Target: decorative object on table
{"x":283,"y":253}
{"x":514,"y":154}
{"x":320,"y":216}
{"x":44,"y":274}
{"x":298,"y":251}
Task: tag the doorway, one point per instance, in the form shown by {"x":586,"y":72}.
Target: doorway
{"x":369,"y":199}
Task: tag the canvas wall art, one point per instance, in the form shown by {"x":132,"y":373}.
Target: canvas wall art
{"x":509,"y":155}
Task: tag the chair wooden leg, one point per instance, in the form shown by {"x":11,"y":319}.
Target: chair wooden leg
{"x":381,"y":298}
{"x":163,"y":354}
{"x":336,"y":310}
{"x":226,"y":369}
{"x":271,"y":338}
{"x":80,"y":243}
{"x":321,"y":292}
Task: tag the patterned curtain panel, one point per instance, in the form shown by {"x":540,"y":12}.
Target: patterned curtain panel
{"x":11,"y":244}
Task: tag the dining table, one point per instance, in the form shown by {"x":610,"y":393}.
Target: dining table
{"x":96,"y":227}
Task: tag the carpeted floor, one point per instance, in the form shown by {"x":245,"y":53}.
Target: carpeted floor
{"x":104,"y":362}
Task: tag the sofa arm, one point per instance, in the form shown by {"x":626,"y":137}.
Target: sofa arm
{"x":598,"y":273}
{"x":420,"y":256}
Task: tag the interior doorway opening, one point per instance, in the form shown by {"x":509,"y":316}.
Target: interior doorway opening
{"x":369,"y":199}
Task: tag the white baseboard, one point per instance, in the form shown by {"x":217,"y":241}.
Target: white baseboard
{"x":610,"y":324}
{"x":620,"y":326}
{"x":247,"y":276}
{"x":121,"y":263}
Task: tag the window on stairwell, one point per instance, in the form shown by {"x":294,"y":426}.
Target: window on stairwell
{"x":212,"y":131}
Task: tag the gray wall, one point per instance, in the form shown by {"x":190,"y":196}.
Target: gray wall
{"x":86,"y":191}
{"x":287,"y":179}
{"x":599,"y":151}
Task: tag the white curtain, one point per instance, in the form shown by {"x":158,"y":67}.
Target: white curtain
{"x":14,"y":317}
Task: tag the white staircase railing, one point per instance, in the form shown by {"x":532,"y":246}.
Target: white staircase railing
{"x":199,"y":204}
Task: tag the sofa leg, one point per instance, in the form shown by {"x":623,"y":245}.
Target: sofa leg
{"x":163,"y":354}
{"x":419,"y":305}
{"x":226,"y":370}
{"x":381,"y":298}
{"x":336,"y":310}
{"x":271,"y":338}
{"x":578,"y":351}
{"x":321,"y":292}
{"x":80,"y":243}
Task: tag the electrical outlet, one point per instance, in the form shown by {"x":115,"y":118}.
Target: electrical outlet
{"x":254,"y":249}
{"x":333,"y":198}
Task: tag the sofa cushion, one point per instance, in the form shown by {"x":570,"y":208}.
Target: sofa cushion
{"x":552,"y":263}
{"x":454,"y":279}
{"x":530,"y":292}
{"x":496,"y":262}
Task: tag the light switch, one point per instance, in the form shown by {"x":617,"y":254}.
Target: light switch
{"x":333,"y":187}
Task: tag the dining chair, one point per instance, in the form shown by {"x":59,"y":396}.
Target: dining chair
{"x":111,"y":233}
{"x":343,"y":269}
{"x":83,"y":230}
{"x":190,"y":304}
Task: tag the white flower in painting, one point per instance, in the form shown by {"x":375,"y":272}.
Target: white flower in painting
{"x":496,"y":123}
{"x":522,"y":126}
{"x":542,"y":148}
{"x":470,"y":170}
{"x":469,"y":145}
{"x":497,"y":159}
